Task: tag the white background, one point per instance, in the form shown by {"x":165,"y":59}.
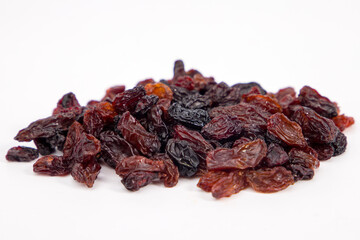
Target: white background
{"x":48,"y":48}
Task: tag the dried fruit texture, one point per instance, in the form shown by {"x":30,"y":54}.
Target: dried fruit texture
{"x":223,"y":183}
{"x":339,"y":144}
{"x":244,"y":156}
{"x":159,"y":89}
{"x":252,"y":118}
{"x":112,"y":92}
{"x":316,"y":128}
{"x":189,"y":125}
{"x":263,"y":102}
{"x":133,"y":132}
{"x":302,"y":164}
{"x":222,"y":127}
{"x":195,"y":118}
{"x":309,"y":97}
{"x":22,"y":154}
{"x":86,"y":172}
{"x":144,"y":104}
{"x":52,"y":165}
{"x":98,"y":117}
{"x":343,"y":121}
{"x":183,"y":156}
{"x":47,"y":127}
{"x":287,"y":131}
{"x":79,"y":146}
{"x":115,"y":148}
{"x":128,"y":100}
{"x":68,"y":103}
{"x":275,"y":156}
{"x":164,"y":168}
{"x":269,"y":180}
{"x":196,"y":101}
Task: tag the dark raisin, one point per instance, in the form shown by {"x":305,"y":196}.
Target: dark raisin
{"x":22,"y":154}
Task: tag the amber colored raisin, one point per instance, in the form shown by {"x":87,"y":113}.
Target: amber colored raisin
{"x":244,"y":156}
{"x":22,"y":154}
{"x":269,"y":180}
{"x":287,"y":131}
{"x":343,"y":121}
{"x":159,"y":89}
{"x":223,"y":183}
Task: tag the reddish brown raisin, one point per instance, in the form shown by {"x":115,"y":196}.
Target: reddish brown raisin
{"x":52,"y":165}
{"x":343,"y":121}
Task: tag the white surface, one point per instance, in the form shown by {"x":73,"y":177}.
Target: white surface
{"x":48,"y":48}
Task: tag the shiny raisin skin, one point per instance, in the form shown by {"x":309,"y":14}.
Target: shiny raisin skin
{"x":222,"y":127}
{"x":244,"y":156}
{"x":112,"y":92}
{"x":183,"y":156}
{"x":287,"y":131}
{"x":269,"y":180}
{"x":86,"y":172}
{"x":133,"y":132}
{"x":128,"y":100}
{"x":339,"y":144}
{"x":68,"y":103}
{"x":309,"y":97}
{"x":22,"y":154}
{"x":145,"y":104}
{"x":159,"y":89}
{"x":316,"y":129}
{"x":136,"y":180}
{"x":223,"y":183}
{"x":246,"y":87}
{"x":302,"y":164}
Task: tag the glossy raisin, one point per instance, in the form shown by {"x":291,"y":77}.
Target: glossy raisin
{"x":195,"y":118}
{"x":86,"y":172}
{"x":133,"y":132}
{"x":275,"y":156}
{"x":287,"y":131}
{"x":244,"y":156}
{"x":128,"y":100}
{"x":222,"y":127}
{"x":269,"y":180}
{"x":339,"y":144}
{"x":343,"y":121}
{"x":145,"y":104}
{"x":159,"y":89}
{"x":52,"y":165}
{"x":68,"y":103}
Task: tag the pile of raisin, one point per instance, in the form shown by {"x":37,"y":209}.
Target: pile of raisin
{"x":189,"y":126}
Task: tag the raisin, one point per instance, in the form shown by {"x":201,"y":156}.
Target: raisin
{"x":133,"y":132}
{"x":47,"y":127}
{"x":22,"y":154}
{"x":136,"y":180}
{"x":68,"y":103}
{"x":156,"y":125}
{"x":128,"y":100}
{"x":112,"y":92}
{"x":287,"y":131}
{"x":159,"y":89}
{"x":196,"y":101}
{"x":343,"y":121}
{"x":246,"y":87}
{"x":144,"y":82}
{"x":167,"y":170}
{"x":52,"y":165}
{"x":223,"y":183}
{"x":185,"y":82}
{"x":266,"y":103}
{"x":309,"y":97}
{"x":222,"y":127}
{"x":302,"y":164}
{"x":324,"y":151}
{"x":98,"y":117}
{"x":179,"y":69}
{"x":196,"y":118}
{"x":183,"y":156}
{"x":244,"y":156}
{"x":316,"y":128}
{"x":241,"y":141}
{"x":339,"y":144}
{"x":269,"y":180}
{"x":86,"y":172}
{"x":115,"y":148}
{"x":275,"y":156}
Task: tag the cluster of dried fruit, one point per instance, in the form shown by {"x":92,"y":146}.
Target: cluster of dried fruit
{"x":232,"y":137}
